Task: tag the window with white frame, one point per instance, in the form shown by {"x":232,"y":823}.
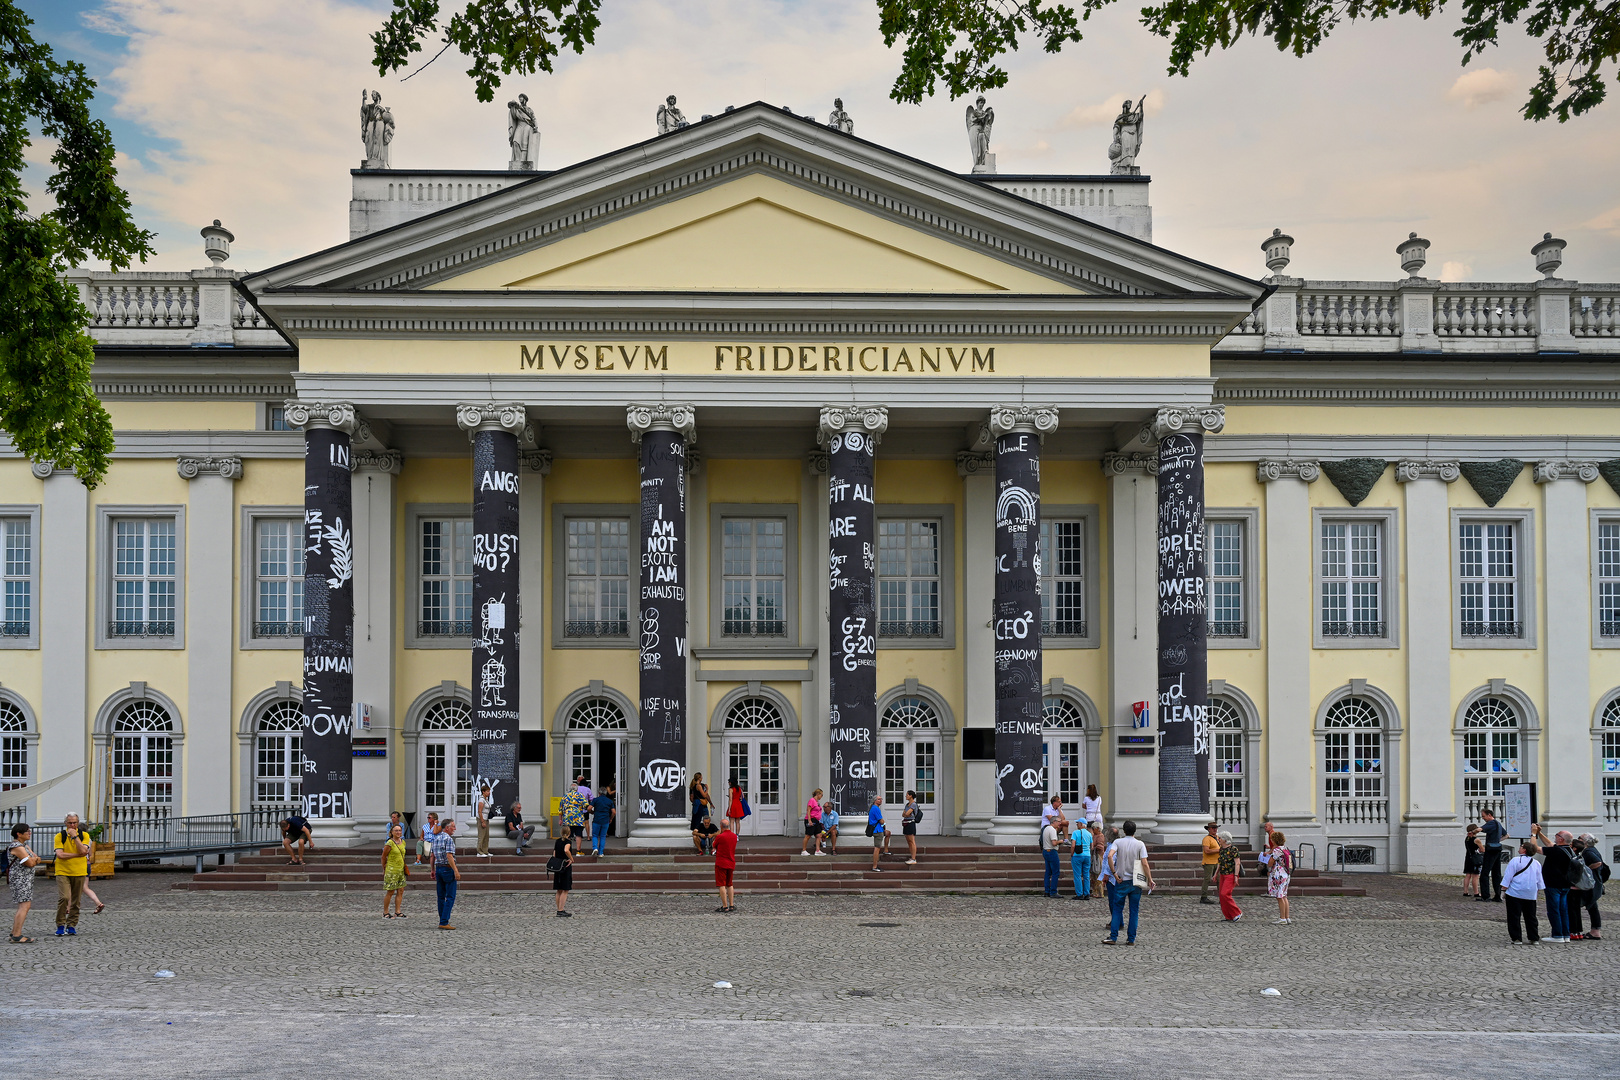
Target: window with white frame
{"x":278,"y":756}
{"x":1351,"y":574}
{"x":1225,"y":557}
{"x":13,"y":747}
{"x":753,"y":568}
{"x":17,"y":572}
{"x":1353,"y":750}
{"x":597,"y":714}
{"x":445,"y":577}
{"x":1491,"y":748}
{"x":908,"y":578}
{"x":1488,"y":579}
{"x":1609,"y":764}
{"x":1062,"y":549}
{"x":143,"y":577}
{"x":1608,"y":579}
{"x":598,"y":570}
{"x":278,"y":577}
{"x":1226,"y":750}
{"x":143,"y":754}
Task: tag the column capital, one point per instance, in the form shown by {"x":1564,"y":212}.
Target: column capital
{"x":1269,"y":469}
{"x":1135,"y":462}
{"x":661,"y":416}
{"x":816,"y":463}
{"x":1039,"y":420}
{"x":339,"y":415}
{"x":1173,"y":419}
{"x":510,"y":417}
{"x":873,"y":420}
{"x":1545,"y":472}
{"x":1411,"y":469}
{"x":44,"y":470}
{"x":383,"y":461}
{"x":537,"y":460}
{"x":974,"y":462}
{"x":228,"y":468}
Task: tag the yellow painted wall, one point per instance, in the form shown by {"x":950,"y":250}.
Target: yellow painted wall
{"x":1417,"y":420}
{"x":182,"y":415}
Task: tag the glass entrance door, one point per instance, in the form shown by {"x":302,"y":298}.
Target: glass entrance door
{"x":755,"y":764}
{"x":910,"y":764}
{"x":447,"y":778}
{"x":1064,"y":765}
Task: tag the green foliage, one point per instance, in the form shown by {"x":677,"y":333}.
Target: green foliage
{"x":958,"y":41}
{"x":1491,"y":479}
{"x":1354,"y":477}
{"x":500,"y":37}
{"x":47,"y":404}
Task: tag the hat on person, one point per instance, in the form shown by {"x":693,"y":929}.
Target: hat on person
{"x":1213,"y":825}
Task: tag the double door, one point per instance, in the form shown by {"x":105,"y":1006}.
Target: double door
{"x":1063,"y":765}
{"x":910,"y":763}
{"x":601,"y":762}
{"x":447,"y":778}
{"x":754,"y":763}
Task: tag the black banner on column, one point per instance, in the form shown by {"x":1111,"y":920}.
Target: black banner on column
{"x":328,"y":624}
{"x":1020,"y":785}
{"x":663,"y":625}
{"x":495,"y":609}
{"x":1183,"y":628}
{"x":852,"y":621}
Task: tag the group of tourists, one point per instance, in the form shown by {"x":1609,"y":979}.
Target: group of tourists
{"x":1568,"y":870}
{"x":72,"y":849}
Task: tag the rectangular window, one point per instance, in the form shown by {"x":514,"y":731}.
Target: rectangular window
{"x":1608,"y":579}
{"x":143,"y":769}
{"x":13,"y":762}
{"x":279,"y":767}
{"x":446,"y":581}
{"x":1225,"y":555}
{"x":1353,"y":763}
{"x":279,"y":577}
{"x":1488,"y":579}
{"x":908,"y":579}
{"x":1063,"y":578}
{"x":1352,"y":582}
{"x":753,"y":556}
{"x":598,"y":569}
{"x":143,"y":585}
{"x":1226,"y":760}
{"x":1490,"y":759}
{"x":1610,"y":764}
{"x":275,"y":418}
{"x":17,"y":572}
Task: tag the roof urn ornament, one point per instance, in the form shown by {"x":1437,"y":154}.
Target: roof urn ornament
{"x":522,"y":134}
{"x":1127,"y":138}
{"x":670,"y":118}
{"x":839,"y":120}
{"x":217,"y":242}
{"x":1279,"y":248}
{"x":1414,"y":252}
{"x":376,"y":131}
{"x":980,"y":119}
{"x":1549,"y":253}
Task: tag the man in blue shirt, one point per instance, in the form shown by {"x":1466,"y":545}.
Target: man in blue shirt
{"x":603,"y":813}
{"x":1491,"y":873}
{"x":446,"y":874}
{"x":829,"y":826}
{"x":874,"y":826}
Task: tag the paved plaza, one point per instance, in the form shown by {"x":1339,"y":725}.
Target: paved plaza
{"x":956,"y":985}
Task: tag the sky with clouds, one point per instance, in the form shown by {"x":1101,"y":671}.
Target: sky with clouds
{"x":249,"y":113}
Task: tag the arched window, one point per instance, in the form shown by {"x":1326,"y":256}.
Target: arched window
{"x":1490,"y":747}
{"x":13,"y":747}
{"x":597,"y":714}
{"x":909,"y":712}
{"x":451,"y":714}
{"x":1060,"y":712}
{"x":143,"y":754}
{"x":278,"y":755}
{"x":1226,"y":749}
{"x":1611,"y":750}
{"x":1353,"y":762}
{"x":753,"y":712}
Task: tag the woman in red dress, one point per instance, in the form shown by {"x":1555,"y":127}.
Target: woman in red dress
{"x":734,"y":807}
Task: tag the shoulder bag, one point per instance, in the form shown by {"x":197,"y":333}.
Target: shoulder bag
{"x":1139,"y":876}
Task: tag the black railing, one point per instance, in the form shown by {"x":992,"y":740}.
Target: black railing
{"x":596,"y":628}
{"x":1228,"y":629}
{"x":278,"y":629}
{"x":444,"y":628}
{"x":1063,"y":628}
{"x":754,"y":627}
{"x":1353,"y":629}
{"x":913,"y":628}
{"x":16,"y":628}
{"x":125,"y":628}
{"x":1492,"y":629}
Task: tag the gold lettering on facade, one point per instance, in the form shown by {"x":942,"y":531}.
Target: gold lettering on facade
{"x":910,"y":359}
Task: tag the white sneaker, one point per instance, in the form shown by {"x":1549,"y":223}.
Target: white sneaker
{"x":804,"y":853}
{"x":821,"y":852}
{"x":911,"y":862}
{"x":1238,"y":916}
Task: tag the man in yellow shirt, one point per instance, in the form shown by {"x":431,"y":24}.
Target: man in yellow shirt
{"x":1212,"y":856}
{"x":72,"y":871}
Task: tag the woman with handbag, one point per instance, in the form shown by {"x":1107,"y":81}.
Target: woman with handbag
{"x":561,"y":868}
{"x":1279,"y":870}
{"x":910,"y":818}
{"x":812,"y":824}
{"x":735,"y":811}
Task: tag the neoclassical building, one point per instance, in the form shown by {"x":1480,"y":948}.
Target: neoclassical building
{"x":762,"y":451}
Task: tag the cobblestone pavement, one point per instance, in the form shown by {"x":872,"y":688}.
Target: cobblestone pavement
{"x":950,"y":985}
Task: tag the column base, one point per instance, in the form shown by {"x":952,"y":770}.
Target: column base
{"x":1178,"y":829}
{"x":334,"y":833}
{"x":659,"y":832}
{"x":1298,"y":827}
{"x":1431,"y":843}
{"x":372,"y":827}
{"x":976,"y":825}
{"x":1011,"y":831}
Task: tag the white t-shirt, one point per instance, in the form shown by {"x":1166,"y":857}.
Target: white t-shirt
{"x":1092,"y":808}
{"x":482,"y":809}
{"x":1049,"y":838}
{"x":1049,"y":813}
{"x":1128,"y":851}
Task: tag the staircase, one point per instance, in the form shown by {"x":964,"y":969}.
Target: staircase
{"x":944,"y":864}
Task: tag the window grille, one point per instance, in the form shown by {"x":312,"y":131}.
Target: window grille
{"x":446,"y":578}
{"x":143,"y":578}
{"x":280,"y":574}
{"x":754,"y":577}
{"x":1488,"y":579}
{"x":597,"y":714}
{"x":753,"y":712}
{"x":17,"y":573}
{"x":143,"y":754}
{"x":1228,"y":611}
{"x":1354,"y":750}
{"x":598,"y":568}
{"x":1063,"y":577}
{"x":1352,"y":579}
{"x":908,"y":712}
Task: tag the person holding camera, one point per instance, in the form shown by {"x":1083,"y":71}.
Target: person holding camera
{"x":73,"y":850}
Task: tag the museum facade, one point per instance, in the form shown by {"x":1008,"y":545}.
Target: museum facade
{"x":762,"y":451}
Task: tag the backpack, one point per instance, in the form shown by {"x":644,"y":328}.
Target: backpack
{"x":1580,"y":876}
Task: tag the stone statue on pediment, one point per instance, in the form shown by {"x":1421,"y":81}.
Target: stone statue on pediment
{"x":980,"y":118}
{"x":669,"y":117}
{"x":522,"y":133}
{"x":1127,"y":138}
{"x":840,"y":120}
{"x":376,"y":131}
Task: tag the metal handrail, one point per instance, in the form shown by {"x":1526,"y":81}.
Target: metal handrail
{"x":1299,"y":854}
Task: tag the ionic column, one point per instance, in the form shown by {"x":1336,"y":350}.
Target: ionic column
{"x":329,"y":566}
{"x":494,"y":429}
{"x":1016,"y":616}
{"x":1569,"y":802}
{"x":1430,"y":818}
{"x":850,"y":435}
{"x":663,"y":433}
{"x":64,"y":640}
{"x":1183,"y":621}
{"x":210,"y":528}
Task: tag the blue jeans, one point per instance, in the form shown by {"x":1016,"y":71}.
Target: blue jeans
{"x":1049,"y":883}
{"x":1116,"y":904}
{"x":1081,"y":865}
{"x":599,"y":831}
{"x":444,"y":883}
{"x":1558,"y":913}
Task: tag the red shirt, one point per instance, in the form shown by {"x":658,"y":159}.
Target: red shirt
{"x":725,"y":850}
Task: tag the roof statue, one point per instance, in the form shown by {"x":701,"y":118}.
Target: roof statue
{"x":980,"y":117}
{"x":840,"y":120}
{"x":522,"y":133}
{"x":669,"y":117}
{"x":1127,"y":139}
{"x":376,"y":131}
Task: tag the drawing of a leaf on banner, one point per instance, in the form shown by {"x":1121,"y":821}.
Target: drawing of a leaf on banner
{"x":342,"y":554}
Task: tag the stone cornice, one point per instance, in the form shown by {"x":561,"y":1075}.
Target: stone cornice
{"x":1174,"y":419}
{"x":1545,"y":472}
{"x":974,"y":462}
{"x":510,"y":417}
{"x":661,"y":416}
{"x":1123,"y":464}
{"x":873,"y":420}
{"x":1291,"y":468}
{"x":383,"y":461}
{"x":228,"y":468}
{"x":1411,"y":469}
{"x":1039,"y":420}
{"x":339,"y":415}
